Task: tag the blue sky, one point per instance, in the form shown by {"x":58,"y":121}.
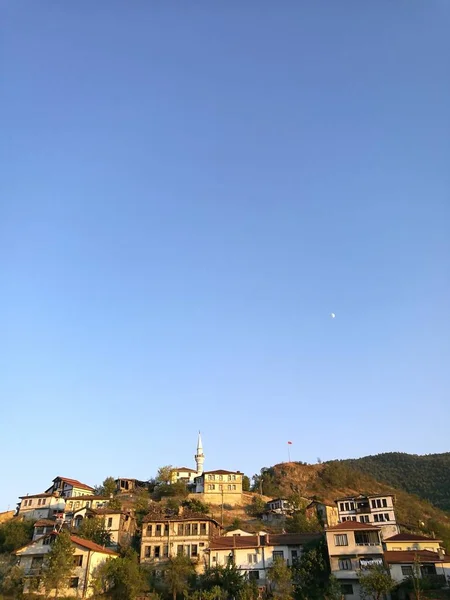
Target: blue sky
{"x":188,"y":190}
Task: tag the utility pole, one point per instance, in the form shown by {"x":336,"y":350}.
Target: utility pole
{"x":221,"y":510}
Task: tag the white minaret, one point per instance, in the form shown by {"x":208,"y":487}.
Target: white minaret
{"x":199,"y":457}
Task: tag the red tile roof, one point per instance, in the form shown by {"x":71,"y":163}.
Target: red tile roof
{"x":352,"y":525}
{"x":222,"y":472}
{"x":87,"y":497}
{"x":75,"y":483}
{"x":184,"y":469}
{"x":91,"y":545}
{"x":45,"y":523}
{"x":409,"y":556}
{"x":410,"y":537}
{"x":253,"y":541}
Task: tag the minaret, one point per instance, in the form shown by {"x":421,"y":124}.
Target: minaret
{"x":199,"y":457}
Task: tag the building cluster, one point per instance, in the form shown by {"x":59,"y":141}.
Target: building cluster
{"x":359,"y":531}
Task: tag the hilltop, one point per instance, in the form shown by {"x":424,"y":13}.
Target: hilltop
{"x":427,"y":476}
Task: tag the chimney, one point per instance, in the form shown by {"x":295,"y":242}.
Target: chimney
{"x":441,"y":553}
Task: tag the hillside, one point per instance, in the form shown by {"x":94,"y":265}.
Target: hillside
{"x":427,"y":476}
{"x":328,"y":481}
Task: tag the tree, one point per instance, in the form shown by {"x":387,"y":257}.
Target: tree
{"x":121,"y":578}
{"x":164,"y":475}
{"x":280,"y":577}
{"x":115,"y":503}
{"x":108,"y":488}
{"x":257,"y":507}
{"x":11,"y":577}
{"x":196,"y":506}
{"x":311,"y":574}
{"x":164,"y":490}
{"x":245,"y":483}
{"x":376,"y":582}
{"x":95,"y":530}
{"x":300,"y":523}
{"x":177,"y":573}
{"x":14,"y":534}
{"x":58,"y":563}
{"x":142,"y":500}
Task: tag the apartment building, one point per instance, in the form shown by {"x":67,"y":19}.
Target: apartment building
{"x":373,"y":509}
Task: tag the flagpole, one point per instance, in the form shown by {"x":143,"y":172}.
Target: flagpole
{"x":289,"y":453}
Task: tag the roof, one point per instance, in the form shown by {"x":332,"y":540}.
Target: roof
{"x":222,"y":472}
{"x":43,"y":495}
{"x":410,"y":537}
{"x":352,"y":526}
{"x":184,"y":469}
{"x":86,"y":497}
{"x":74,"y":483}
{"x":276,"y":500}
{"x":45,"y":523}
{"x":91,"y":545}
{"x":409,"y":556}
{"x":364,"y":497}
{"x":253,"y":541}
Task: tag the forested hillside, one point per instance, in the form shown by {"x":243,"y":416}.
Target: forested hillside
{"x":427,"y":476}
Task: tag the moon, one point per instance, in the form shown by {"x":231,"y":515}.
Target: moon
{"x":332,"y":315}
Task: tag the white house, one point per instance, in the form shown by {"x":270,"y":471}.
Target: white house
{"x":40,"y":506}
{"x":87,"y":557}
{"x":69,"y":487}
{"x":254,"y":554}
{"x":377,"y":509}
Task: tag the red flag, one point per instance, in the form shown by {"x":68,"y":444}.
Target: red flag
{"x":290,"y":443}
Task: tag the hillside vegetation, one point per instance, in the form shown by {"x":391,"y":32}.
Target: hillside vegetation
{"x":426,"y":476}
{"x":329,"y":481}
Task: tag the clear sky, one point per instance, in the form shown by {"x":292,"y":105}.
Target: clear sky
{"x":188,"y":190}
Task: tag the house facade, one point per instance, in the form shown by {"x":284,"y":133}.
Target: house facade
{"x":120,"y":524}
{"x":373,"y":509}
{"x":184,"y":474}
{"x":40,"y":506}
{"x":328,"y":515}
{"x":220,"y":487}
{"x":254,"y":554}
{"x":434,"y":566}
{"x":187,"y":534}
{"x":66,"y":487}
{"x":412,"y":542}
{"x":352,"y":547}
{"x":126,"y":485}
{"x":87,"y":557}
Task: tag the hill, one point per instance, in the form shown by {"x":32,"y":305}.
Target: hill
{"x":427,"y":476}
{"x":328,"y":481}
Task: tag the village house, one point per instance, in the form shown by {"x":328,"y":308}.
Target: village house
{"x":126,"y":486}
{"x":166,"y":535}
{"x":69,"y":487}
{"x":254,"y":554}
{"x":44,"y":527}
{"x":281,"y":506}
{"x":120,"y":524}
{"x":352,"y":547}
{"x":184,"y":474}
{"x":89,"y":501}
{"x":411,"y":542}
{"x":40,"y":506}
{"x":326,"y":514}
{"x":220,"y":487}
{"x":434,"y":566}
{"x":374,"y":509}
{"x":87,"y":557}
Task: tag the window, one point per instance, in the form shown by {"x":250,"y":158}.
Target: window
{"x":294,"y":555}
{"x":384,"y":503}
{"x":70,"y":505}
{"x":211,"y":486}
{"x":148,"y":551}
{"x":187,"y":529}
{"x":149,"y":530}
{"x":109,"y":522}
{"x":386,"y":516}
{"x":277,"y":554}
{"x":166,"y":550}
{"x":47,"y":541}
{"x":342,"y":507}
{"x":252,"y":559}
{"x":194,"y":528}
{"x":202,"y":528}
{"x":39,"y":502}
{"x":341,"y":540}
{"x":78,"y":560}
{"x":220,"y":487}
{"x":345,"y":564}
{"x":353,"y":518}
{"x":347,"y":506}
{"x":229,"y":486}
{"x":374,"y":504}
{"x":157,"y":551}
{"x":180,"y":550}
{"x":234,"y":486}
{"x":352,"y":506}
{"x":220,"y":477}
{"x":36,"y":562}
{"x":166,"y":529}
{"x":180,"y":529}
{"x":73,"y":583}
{"x":194,"y":550}
{"x":158,"y":530}
{"x":39,"y":531}
{"x":347,"y":589}
{"x":210,"y":477}
{"x":378,"y":503}
{"x":234,"y":477}
{"x":229,"y":477}
{"x":407,"y":570}
{"x":253,"y":574}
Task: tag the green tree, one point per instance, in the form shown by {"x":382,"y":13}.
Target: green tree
{"x":196,"y":506}
{"x":11,"y":577}
{"x":14,"y":534}
{"x":245,"y":483}
{"x":141,"y":500}
{"x":115,"y":503}
{"x":257,"y":507}
{"x":107,"y":489}
{"x":58,"y":564}
{"x":376,"y":582}
{"x":311,"y":573}
{"x":229,"y":578}
{"x":176,"y":575}
{"x":164,"y":475}
{"x":167,"y":490}
{"x":300,"y":523}
{"x":120,"y":578}
{"x":95,"y":530}
{"x":280,"y":577}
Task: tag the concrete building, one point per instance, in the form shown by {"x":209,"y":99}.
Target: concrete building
{"x":166,"y":535}
{"x":377,"y":509}
{"x":254,"y":554}
{"x":87,"y":557}
{"x":352,"y":547}
{"x":40,"y":506}
{"x":220,"y":487}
